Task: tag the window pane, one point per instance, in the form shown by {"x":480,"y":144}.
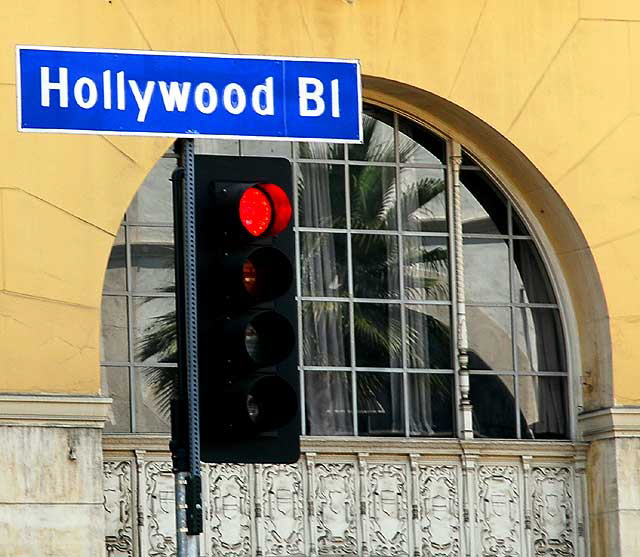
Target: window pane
{"x":152,"y":259}
{"x":325,"y":337}
{"x":484,"y":208}
{"x":154,"y":388}
{"x":378,"y":335}
{"x":329,"y":403}
{"x":114,"y":346}
{"x":517,"y":226}
{"x":420,"y":145}
{"x":486,"y":270}
{"x":375,"y":266}
{"x":431,"y":404}
{"x":251,"y":148}
{"x":323,"y":264}
{"x":154,"y":329}
{"x":426,"y":268}
{"x":377,"y":133}
{"x":424,"y":199}
{"x":428,"y":333}
{"x":539,"y":345}
{"x":543,"y":402}
{"x":208,"y":146}
{"x":373,"y":197}
{"x":313,"y":150}
{"x":494,"y":406}
{"x":115,"y":278}
{"x":321,"y":193}
{"x":380,"y":403}
{"x":532,"y":284}
{"x":154,"y":200}
{"x":489,"y":331}
{"x":115,"y":385}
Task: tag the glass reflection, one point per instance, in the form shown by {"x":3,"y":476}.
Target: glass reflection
{"x":329,"y":403}
{"x":539,"y":344}
{"x":307,"y":150}
{"x":152,"y":259}
{"x":486,"y":270}
{"x":375,"y":266}
{"x":426,"y":268}
{"x":424,"y":199}
{"x":153,"y":393}
{"x":431,"y":405}
{"x":532,"y":284}
{"x":542,"y":407}
{"x":418,"y":145}
{"x":494,"y":406}
{"x":380,"y":402}
{"x":484,"y":208}
{"x":373,"y":197}
{"x":325,"y":337}
{"x":428,"y":335}
{"x":154,"y":332}
{"x":324,"y":264}
{"x":114,"y":345}
{"x":378,"y":336}
{"x":321,"y":193}
{"x":489,"y":331}
{"x":115,"y":385}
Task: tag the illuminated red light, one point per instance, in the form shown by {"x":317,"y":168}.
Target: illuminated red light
{"x":255,"y":211}
{"x":281,"y":208}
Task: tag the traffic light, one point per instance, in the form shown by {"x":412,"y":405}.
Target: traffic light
{"x":246,"y":310}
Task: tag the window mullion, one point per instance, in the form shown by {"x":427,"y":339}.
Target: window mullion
{"x":465,"y":423}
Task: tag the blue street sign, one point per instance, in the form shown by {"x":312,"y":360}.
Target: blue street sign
{"x":173,"y":94}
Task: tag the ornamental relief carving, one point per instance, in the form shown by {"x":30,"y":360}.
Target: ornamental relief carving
{"x":336,"y":509}
{"x":283,"y":504}
{"x":160,"y":511}
{"x":499,"y":511}
{"x":439,"y":511}
{"x":388,"y":509}
{"x":118,"y":498}
{"x":552,"y":502}
{"x":230,"y":510}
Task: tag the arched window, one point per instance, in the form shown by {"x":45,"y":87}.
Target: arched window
{"x":383,"y":265}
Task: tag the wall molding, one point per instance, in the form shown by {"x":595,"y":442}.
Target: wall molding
{"x":610,"y":423}
{"x":53,"y":410}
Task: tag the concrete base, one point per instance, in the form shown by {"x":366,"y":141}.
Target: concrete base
{"x":51,"y":495}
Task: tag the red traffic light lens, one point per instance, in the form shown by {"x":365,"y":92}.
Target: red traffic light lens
{"x":250,"y":278}
{"x":281,"y":208}
{"x":255,"y":211}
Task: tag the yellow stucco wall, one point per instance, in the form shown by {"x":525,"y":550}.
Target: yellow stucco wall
{"x":560,"y":79}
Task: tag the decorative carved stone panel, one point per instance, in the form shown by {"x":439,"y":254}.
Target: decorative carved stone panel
{"x":283,"y":508}
{"x":388,"y":509}
{"x":229,"y":510}
{"x":499,"y":511}
{"x":552,"y":503}
{"x":160,"y":509}
{"x":335,"y":508}
{"x":439,"y":511}
{"x":118,"y":504}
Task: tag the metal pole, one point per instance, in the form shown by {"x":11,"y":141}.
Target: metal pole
{"x":187,"y":488}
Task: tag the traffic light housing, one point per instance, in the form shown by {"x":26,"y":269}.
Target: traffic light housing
{"x":246,"y":310}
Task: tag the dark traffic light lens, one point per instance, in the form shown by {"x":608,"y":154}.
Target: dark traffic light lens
{"x":270,"y":402}
{"x":255,"y":211}
{"x":268,"y":338}
{"x":266,"y":274}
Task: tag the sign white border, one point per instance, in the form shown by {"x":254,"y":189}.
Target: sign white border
{"x":184,"y":54}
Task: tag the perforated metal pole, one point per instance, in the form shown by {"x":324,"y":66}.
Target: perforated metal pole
{"x":188,"y":496}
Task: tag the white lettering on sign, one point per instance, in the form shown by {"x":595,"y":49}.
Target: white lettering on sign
{"x":176,"y":96}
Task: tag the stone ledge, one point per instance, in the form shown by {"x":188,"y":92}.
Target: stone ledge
{"x":53,"y":410}
{"x":609,"y":423}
